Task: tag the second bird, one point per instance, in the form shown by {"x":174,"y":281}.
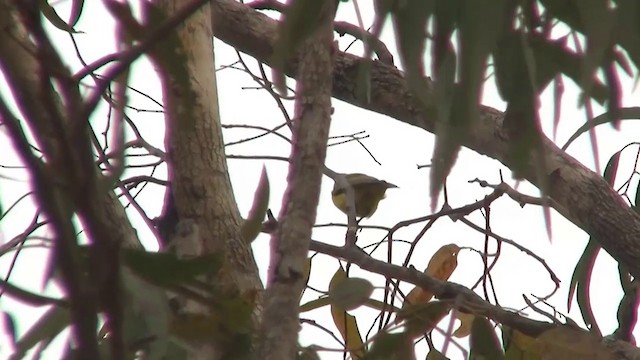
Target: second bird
{"x":367,"y":193}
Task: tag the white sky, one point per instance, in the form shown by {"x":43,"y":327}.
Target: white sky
{"x":397,"y":146}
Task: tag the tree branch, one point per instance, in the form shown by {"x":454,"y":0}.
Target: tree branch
{"x":469,"y":300}
{"x":290,"y":242}
{"x":580,"y":195}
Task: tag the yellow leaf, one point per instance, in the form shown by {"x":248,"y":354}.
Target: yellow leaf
{"x":348,"y":328}
{"x":523,"y":342}
{"x":441,"y":266}
{"x":466,"y":320}
{"x":307,"y":273}
{"x":346,"y":324}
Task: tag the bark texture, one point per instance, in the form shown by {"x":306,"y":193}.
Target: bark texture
{"x":580,"y":195}
{"x":196,"y":157}
{"x":290,"y":242}
{"x":197,"y":163}
{"x":68,"y":181}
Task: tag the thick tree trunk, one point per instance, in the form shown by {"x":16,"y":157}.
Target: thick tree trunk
{"x":196,"y":157}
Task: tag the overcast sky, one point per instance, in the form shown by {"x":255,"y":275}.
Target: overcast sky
{"x":398,"y":147}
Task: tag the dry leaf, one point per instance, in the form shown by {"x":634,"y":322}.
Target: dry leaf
{"x":441,"y":266}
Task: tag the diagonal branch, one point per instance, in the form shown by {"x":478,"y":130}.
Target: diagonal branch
{"x":579,"y":194}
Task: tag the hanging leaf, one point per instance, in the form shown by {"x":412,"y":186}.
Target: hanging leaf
{"x":387,"y":346}
{"x":436,"y":355}
{"x":252,"y":226}
{"x":636,"y":205}
{"x":581,"y":278}
{"x":307,"y":273}
{"x":630,"y":113}
{"x":552,"y":57}
{"x":43,"y":331}
{"x":598,"y":21}
{"x":441,"y":266}
{"x":379,"y":305}
{"x":370,"y":303}
{"x":628,"y":28}
{"x":480,"y":22}
{"x":410,"y":24}
{"x":301,"y":19}
{"x":484,"y":342}
{"x":580,"y":282}
{"x":351,"y":293}
{"x":166,"y":269}
{"x":422,"y":318}
{"x":50,"y":13}
{"x":76,"y":11}
{"x":346,"y":323}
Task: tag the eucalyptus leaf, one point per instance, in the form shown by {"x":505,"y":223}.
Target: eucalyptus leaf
{"x":252,"y":226}
{"x":484,"y":343}
{"x":351,"y":293}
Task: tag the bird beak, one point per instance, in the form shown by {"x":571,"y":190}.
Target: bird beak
{"x":390,"y":185}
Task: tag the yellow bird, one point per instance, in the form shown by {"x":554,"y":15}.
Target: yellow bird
{"x":367,"y":193}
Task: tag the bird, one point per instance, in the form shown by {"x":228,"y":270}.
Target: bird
{"x":367,"y":193}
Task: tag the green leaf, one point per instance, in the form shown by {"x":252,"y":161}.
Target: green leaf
{"x":315,"y":304}
{"x":581,"y":278}
{"x":580,"y":282}
{"x":598,"y":22}
{"x":166,"y":269}
{"x":422,"y":318}
{"x":611,"y":170}
{"x":553,"y":57}
{"x":379,"y":305}
{"x":436,"y":355}
{"x":370,"y":303}
{"x":76,"y":11}
{"x":519,"y":77}
{"x":628,"y":28}
{"x":301,"y":19}
{"x":44,"y":330}
{"x":410,"y":23}
{"x":146,"y":314}
{"x":388,"y":346}
{"x":484,"y":342}
{"x":252,"y":227}
{"x":636,"y":207}
{"x":50,"y":13}
{"x":628,"y":113}
{"x":307,"y":273}
{"x":346,"y":323}
{"x":351,"y":293}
